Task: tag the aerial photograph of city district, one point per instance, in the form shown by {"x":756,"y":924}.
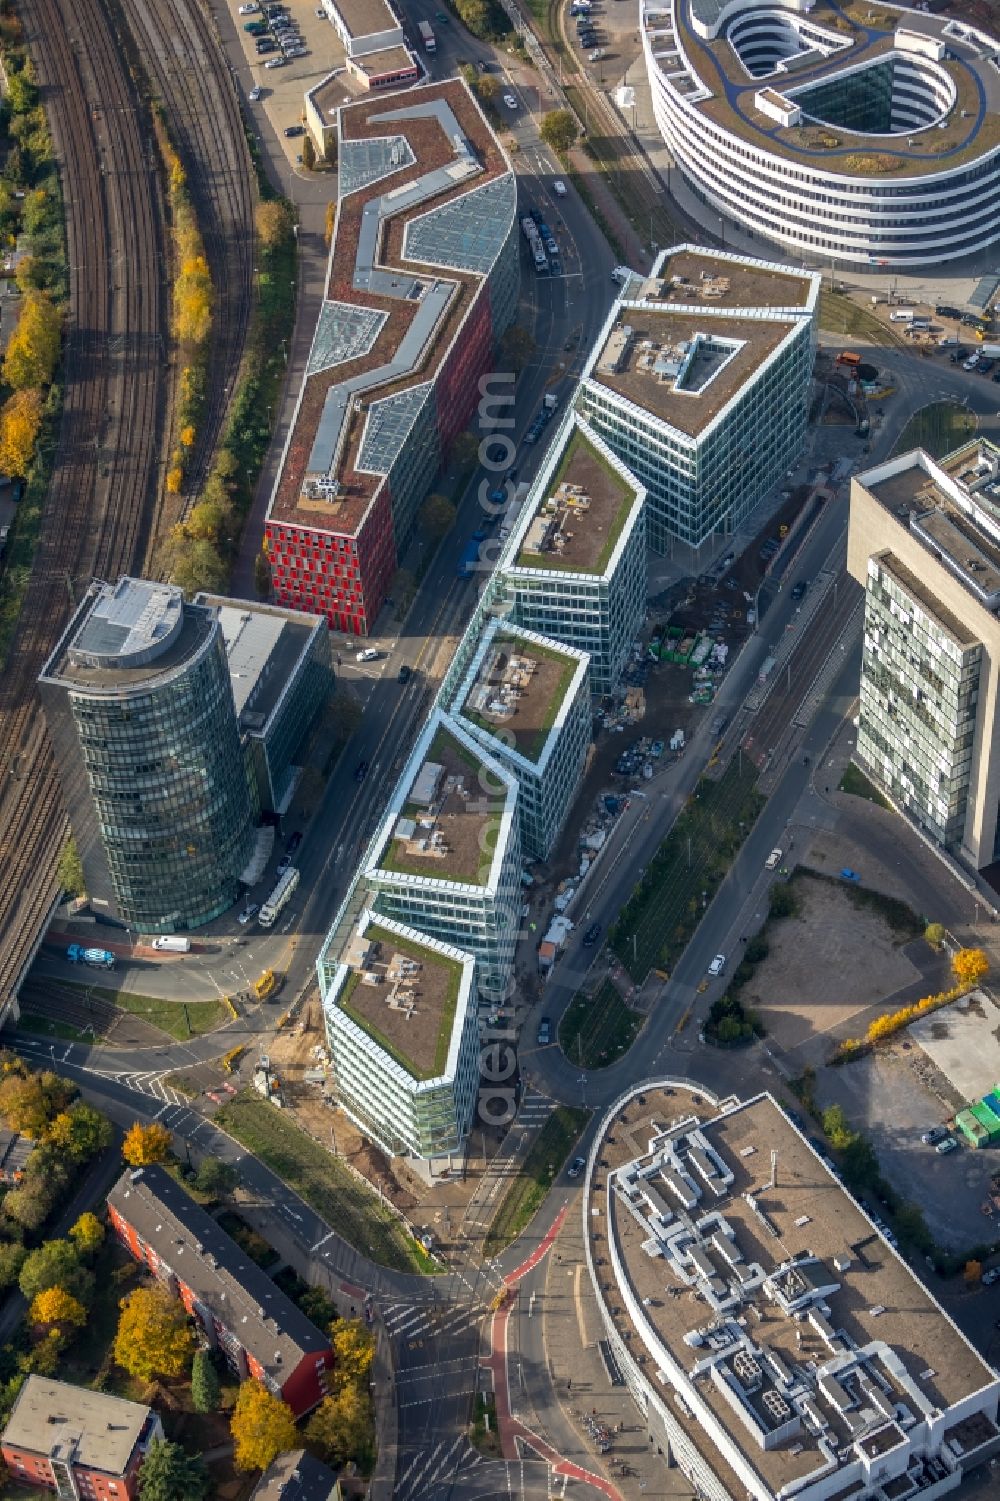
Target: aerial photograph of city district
{"x":500,"y":750}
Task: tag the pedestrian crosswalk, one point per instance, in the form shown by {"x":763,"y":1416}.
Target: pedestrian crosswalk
{"x":152,"y":1083}
{"x":410,"y":1321}
{"x":419,"y":1474}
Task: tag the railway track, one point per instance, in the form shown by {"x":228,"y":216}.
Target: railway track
{"x":102,"y":498}
{"x":181,"y":55}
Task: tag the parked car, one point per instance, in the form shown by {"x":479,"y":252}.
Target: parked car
{"x":717,"y":965}
{"x":510,"y":101}
{"x":774,"y":859}
{"x":248,"y":914}
{"x":934,"y":1135}
{"x":250,"y":9}
{"x":276,"y":62}
{"x":255,"y":93}
{"x":369,"y":654}
{"x":944,"y":311}
{"x":544,"y":1032}
{"x":799,"y":589}
{"x":591,"y":936}
{"x":948,"y":1144}
{"x":991,"y":1276}
{"x":294,"y":841}
{"x":578,"y":1164}
{"x":295,"y":130}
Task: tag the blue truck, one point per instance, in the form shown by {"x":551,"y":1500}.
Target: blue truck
{"x":97,"y":958}
{"x":469,"y":561}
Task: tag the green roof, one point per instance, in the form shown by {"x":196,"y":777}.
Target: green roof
{"x":427,"y":1055}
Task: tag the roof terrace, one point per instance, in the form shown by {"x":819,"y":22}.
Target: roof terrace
{"x":404,"y":993}
{"x":691,"y":276}
{"x":680,"y":368}
{"x":519,"y":689}
{"x":446,"y":830}
{"x":581,"y":513}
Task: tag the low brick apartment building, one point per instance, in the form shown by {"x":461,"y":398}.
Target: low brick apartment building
{"x":239,"y":1310}
{"x":76,"y":1442}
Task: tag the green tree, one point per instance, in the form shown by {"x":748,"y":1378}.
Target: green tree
{"x":934,"y":934}
{"x":12,"y":1256}
{"x":56,"y":1263}
{"x":70,"y":869}
{"x":168,"y":1474}
{"x":781,"y":900}
{"x":464,"y":450}
{"x":262,"y":575}
{"x":80,"y":1132}
{"x":29,"y":1204}
{"x":308,"y":153}
{"x":342,"y":715}
{"x":437,"y":516}
{"x":153,"y":1337}
{"x":196,"y":565}
{"x":559,"y":130}
{"x":215,"y":1178}
{"x":516,"y":348}
{"x":262,"y":1427}
{"x":206,"y":1392}
{"x":22,"y":91}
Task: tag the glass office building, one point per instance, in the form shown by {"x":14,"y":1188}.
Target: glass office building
{"x":139,"y":703}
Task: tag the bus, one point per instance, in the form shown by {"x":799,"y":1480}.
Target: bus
{"x":278,"y":898}
{"x":427,"y":36}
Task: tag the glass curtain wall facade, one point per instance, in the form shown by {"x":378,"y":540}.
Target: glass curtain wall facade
{"x":157,"y":786}
{"x":696,"y":485}
{"x":919,"y":695}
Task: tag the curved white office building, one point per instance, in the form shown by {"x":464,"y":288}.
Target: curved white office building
{"x":864,"y":142}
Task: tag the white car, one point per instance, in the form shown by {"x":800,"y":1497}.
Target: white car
{"x":510,"y":101}
{"x":717,"y":965}
{"x":991,"y":1276}
{"x":255,"y":93}
{"x":773,"y":860}
{"x":559,"y":188}
{"x":275,"y":62}
{"x":250,"y":9}
{"x":368,"y":655}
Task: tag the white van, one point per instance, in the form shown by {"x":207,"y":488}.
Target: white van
{"x":171,"y":945}
{"x":901,"y":315}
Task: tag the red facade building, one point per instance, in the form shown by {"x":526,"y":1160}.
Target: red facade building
{"x":241,"y":1313}
{"x":422,"y":280}
{"x":76,"y":1442}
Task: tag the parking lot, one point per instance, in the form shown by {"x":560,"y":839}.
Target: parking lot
{"x":892,"y":1098}
{"x":283,"y":88}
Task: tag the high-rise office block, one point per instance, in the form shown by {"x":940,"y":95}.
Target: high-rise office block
{"x":138,"y":699}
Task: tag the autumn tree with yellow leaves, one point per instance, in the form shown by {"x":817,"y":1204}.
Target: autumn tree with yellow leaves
{"x":20,"y":421}
{"x":969,"y":966}
{"x":56,"y":1308}
{"x":33,"y":351}
{"x":154,"y":1337}
{"x":262,"y":1427}
{"x":145,"y":1144}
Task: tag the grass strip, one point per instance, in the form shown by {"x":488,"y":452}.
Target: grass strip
{"x":668,"y":903}
{"x":597,"y":1029}
{"x":523,"y":1198}
{"x":353,"y":1211}
{"x":937,"y":428}
{"x":179,"y":1019}
{"x":857,"y":784}
{"x":839,"y":315}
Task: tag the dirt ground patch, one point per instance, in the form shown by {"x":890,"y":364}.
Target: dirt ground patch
{"x":437,"y":1206}
{"x":824,"y":964}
